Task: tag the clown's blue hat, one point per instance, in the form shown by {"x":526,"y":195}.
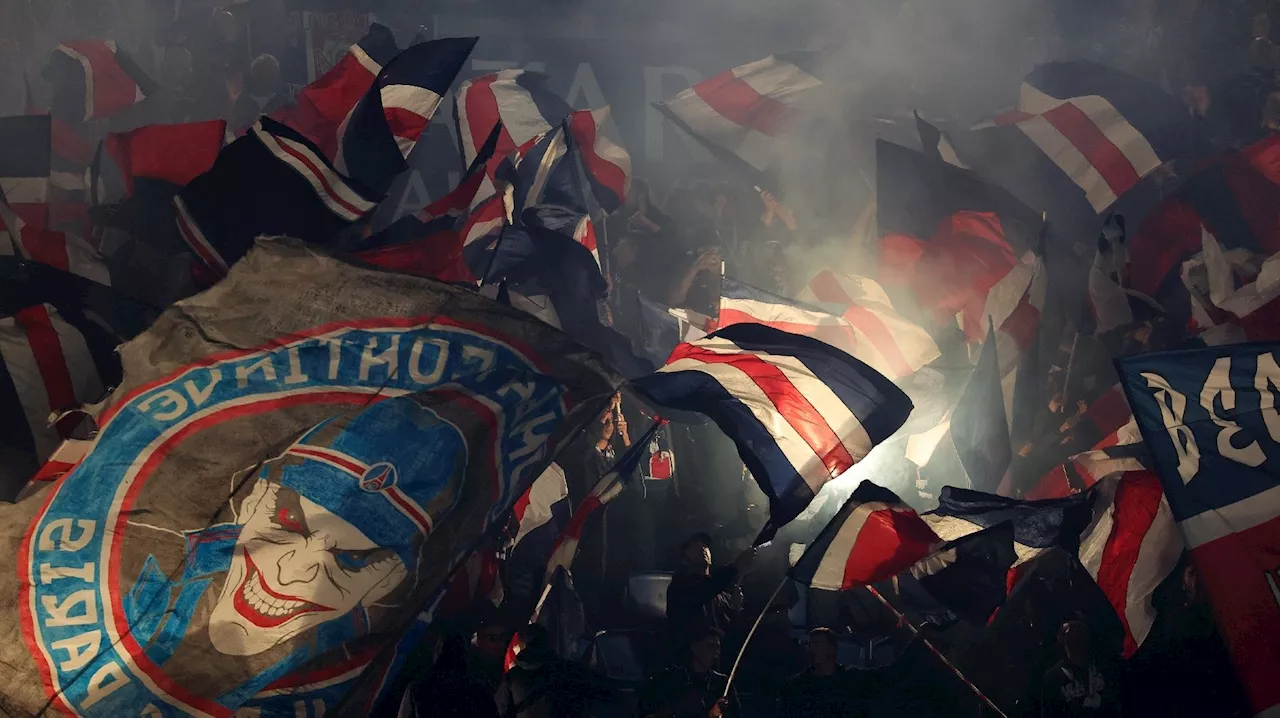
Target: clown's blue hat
{"x":391,"y":471}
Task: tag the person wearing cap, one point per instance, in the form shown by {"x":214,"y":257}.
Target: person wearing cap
{"x":698,"y":596}
{"x":325,"y":545}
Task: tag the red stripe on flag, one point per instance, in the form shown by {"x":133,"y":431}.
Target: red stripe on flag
{"x":404,"y":122}
{"x":888,"y":544}
{"x":1022,"y":323}
{"x":113,"y":88}
{"x":332,"y":457}
{"x":583,"y":124}
{"x":1136,"y":503}
{"x":46,"y":247}
{"x":875,"y":330}
{"x":791,"y":403}
{"x":482,"y":114}
{"x":738,"y":102}
{"x":522,"y":504}
{"x":47,"y":349}
{"x":1101,"y":152}
{"x":840,"y":336}
{"x":319,"y":174}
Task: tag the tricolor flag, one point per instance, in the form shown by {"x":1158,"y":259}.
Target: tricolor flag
{"x":953,"y":242}
{"x":890,"y":343}
{"x":94,"y":79}
{"x":51,"y":363}
{"x":384,"y":126}
{"x":61,"y":250}
{"x":542,"y":511}
{"x":800,"y":411}
{"x":873,"y":537}
{"x":1130,"y":547}
{"x":518,"y":101}
{"x":1100,"y":128}
{"x":1236,"y":288}
{"x":740,"y":114}
{"x":608,"y":488}
{"x":741,"y":303}
{"x":968,"y":576}
{"x":1208,"y":416}
{"x":321,"y":107}
{"x":1233,"y":197}
{"x":606,"y":164}
{"x":1037,"y":525}
{"x":272,"y":181}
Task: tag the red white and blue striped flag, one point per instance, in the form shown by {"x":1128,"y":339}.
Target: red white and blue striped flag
{"x":800,"y":411}
{"x":739,"y":114}
{"x":873,"y":537}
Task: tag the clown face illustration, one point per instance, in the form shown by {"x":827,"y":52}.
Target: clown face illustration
{"x":296,"y":565}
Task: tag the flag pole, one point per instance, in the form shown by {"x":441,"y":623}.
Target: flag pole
{"x":742,"y":651}
{"x":933,"y":649}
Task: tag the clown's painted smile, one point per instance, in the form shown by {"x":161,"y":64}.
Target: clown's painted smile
{"x":264,"y":607}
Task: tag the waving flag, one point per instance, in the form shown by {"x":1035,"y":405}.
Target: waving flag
{"x":968,"y":576}
{"x":1037,"y":525}
{"x":957,"y":244}
{"x":271,"y":181}
{"x":543,"y":508}
{"x":321,"y":107}
{"x":1131,"y":546}
{"x":51,"y":364}
{"x":384,"y":126}
{"x":1208,"y":417}
{"x":606,"y":163}
{"x":888,"y":342}
{"x":739,"y":114}
{"x":518,"y":101}
{"x":60,"y":250}
{"x":168,"y":155}
{"x":351,"y":414}
{"x":1103,"y":129}
{"x":1232,"y":196}
{"x":979,"y":426}
{"x":608,"y":488}
{"x":800,"y":411}
{"x":872,"y":537}
{"x":742,"y":303}
{"x":93,"y":79}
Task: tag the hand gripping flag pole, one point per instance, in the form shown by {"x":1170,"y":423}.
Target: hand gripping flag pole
{"x":934,"y":650}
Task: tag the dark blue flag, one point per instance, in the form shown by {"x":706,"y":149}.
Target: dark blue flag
{"x":979,"y":427}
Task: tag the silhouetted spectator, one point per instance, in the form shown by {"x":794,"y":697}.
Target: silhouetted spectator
{"x":694,"y":688}
{"x":822,"y":689}
{"x":1080,"y":684}
{"x":543,"y":685}
{"x":263,"y":93}
{"x":700,"y":598}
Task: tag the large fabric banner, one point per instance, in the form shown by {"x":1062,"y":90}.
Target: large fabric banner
{"x":1209,"y":418}
{"x":293,"y":463}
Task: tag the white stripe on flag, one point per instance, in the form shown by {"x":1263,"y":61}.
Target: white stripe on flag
{"x":329,"y":186}
{"x":88,"y":77}
{"x":1070,"y":160}
{"x":753,"y":146}
{"x":950,"y":528}
{"x":847,"y":427}
{"x":195,"y":238}
{"x":777,"y":79}
{"x":768,"y":313}
{"x":25,"y":190}
{"x":28,"y":382}
{"x":1106,"y":118}
{"x":738,"y":384}
{"x":830,"y":572}
{"x":1234,"y":518}
{"x":83,"y":260}
{"x":1161,"y":548}
{"x":85,"y":382}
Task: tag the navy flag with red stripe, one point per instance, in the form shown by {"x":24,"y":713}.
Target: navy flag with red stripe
{"x":800,"y":411}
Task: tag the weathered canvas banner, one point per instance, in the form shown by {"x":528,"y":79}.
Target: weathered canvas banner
{"x":293,"y":461}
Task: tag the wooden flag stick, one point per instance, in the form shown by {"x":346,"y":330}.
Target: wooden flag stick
{"x":932,"y":648}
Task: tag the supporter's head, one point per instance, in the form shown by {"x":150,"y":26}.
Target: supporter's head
{"x":704,"y":648}
{"x":695,"y":553}
{"x":606,"y":428}
{"x":822,"y":647}
{"x":451,"y":654}
{"x":491,"y":636}
{"x":264,"y":76}
{"x":1075,"y":640}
